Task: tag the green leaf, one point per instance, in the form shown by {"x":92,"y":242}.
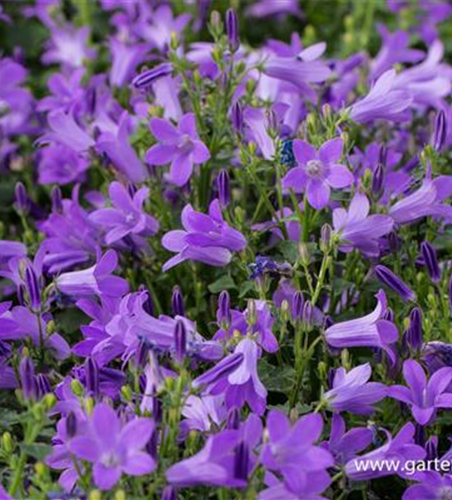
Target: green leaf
{"x":37,"y":450}
{"x":223,"y":283}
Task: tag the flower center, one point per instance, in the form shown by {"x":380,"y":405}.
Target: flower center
{"x":109,"y":459}
{"x":314,"y":168}
{"x":186,"y":143}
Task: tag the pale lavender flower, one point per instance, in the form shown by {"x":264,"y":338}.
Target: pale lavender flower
{"x":125,"y":58}
{"x":423,"y":396}
{"x":318,"y":171}
{"x":179,"y":146}
{"x":68,"y":46}
{"x":383,"y":102}
{"x":353,"y":392}
{"x":96,"y":280}
{"x":59,"y":164}
{"x":371,"y":330}
{"x":355,"y":228}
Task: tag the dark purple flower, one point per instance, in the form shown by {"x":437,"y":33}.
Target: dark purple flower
{"x":440,"y":132}
{"x":430,"y":260}
{"x":223,"y":186}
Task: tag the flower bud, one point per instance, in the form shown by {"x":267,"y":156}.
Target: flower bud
{"x":180,"y":341}
{"x":27,"y":378}
{"x":71,"y":425}
{"x":169,"y":493}
{"x":223,"y":186}
{"x":76,"y":388}
{"x":430,"y":261}
{"x":391,"y":280}
{"x":224,"y":309}
{"x":57,"y":200}
{"x":177,"y":302}
{"x":440,"y":131}
{"x":307,"y":313}
{"x":22,"y":200}
{"x":92,"y":377}
{"x":232,"y":29}
{"x":297,"y":306}
{"x":325,"y":238}
{"x":145,"y":79}
{"x":233,"y":419}
{"x":241,"y":461}
{"x":252,"y":312}
{"x":237,"y":117}
{"x":378,"y":181}
{"x":33,"y":288}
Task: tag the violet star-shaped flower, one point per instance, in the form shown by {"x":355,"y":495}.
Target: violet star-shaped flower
{"x":114,"y":449}
{"x":205,"y":238}
{"x":318,"y":171}
{"x":126,"y":216}
{"x":179,"y":146}
{"x":423,"y":396}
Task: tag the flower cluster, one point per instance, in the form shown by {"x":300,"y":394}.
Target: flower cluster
{"x":225,"y":247}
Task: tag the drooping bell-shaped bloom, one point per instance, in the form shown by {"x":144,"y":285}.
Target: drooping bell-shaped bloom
{"x":371,"y":330}
{"x":96,"y":280}
{"x":425,"y":201}
{"x":353,"y":392}
{"x":119,"y":150}
{"x":318,"y":171}
{"x":114,"y":449}
{"x":383,"y":102}
{"x":256,"y":123}
{"x":355,"y":228}
{"x":205,"y":238}
{"x":423,"y":396}
{"x":59,"y":164}
{"x":125,"y":58}
{"x":380,"y":462}
{"x":292,"y":452}
{"x":179,"y":146}
{"x":126,"y":216}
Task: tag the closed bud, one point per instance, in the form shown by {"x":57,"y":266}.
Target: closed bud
{"x":237,"y":117}
{"x":120,"y":495}
{"x":77,"y":388}
{"x":232,"y":29}
{"x":325,"y":238}
{"x":7,"y":442}
{"x":22,"y":201}
{"x":440,"y":131}
{"x":285,"y":311}
{"x":304,"y":253}
{"x":145,"y":79}
{"x":216,"y":24}
{"x":430,"y":259}
{"x":224,"y":309}
{"x":252,"y":312}
{"x":33,"y":288}
{"x":40,"y":469}
{"x":95,"y":495}
{"x":28,"y":378}
{"x":450,"y":293}
{"x":307,"y":313}
{"x":431,"y":447}
{"x":71,"y":425}
{"x":177,"y":302}
{"x":92,"y":377}
{"x":223,"y":186}
{"x":297,"y":306}
{"x":180,"y":341}
{"x":415,"y":338}
{"x":378,"y":181}
{"x":57,"y":200}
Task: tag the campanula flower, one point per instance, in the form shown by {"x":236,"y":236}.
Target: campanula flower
{"x":318,"y":171}
{"x":126,"y":216}
{"x":179,"y":146}
{"x":96,"y":280}
{"x":355,"y":228}
{"x":114,"y":449}
{"x":371,"y":330}
{"x":353,"y":392}
{"x":205,"y":238}
{"x":423,"y":396}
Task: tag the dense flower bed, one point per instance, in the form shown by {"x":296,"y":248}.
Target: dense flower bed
{"x":225,"y":250}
